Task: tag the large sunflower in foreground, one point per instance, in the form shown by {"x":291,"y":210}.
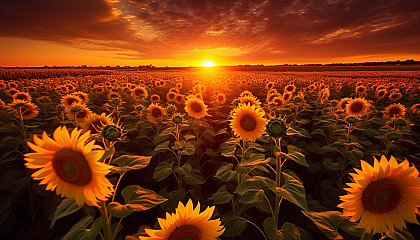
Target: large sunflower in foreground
{"x":248,"y":122}
{"x":187,"y":223}
{"x":70,"y":166}
{"x":195,"y":107}
{"x":357,"y":107}
{"x":382,"y":196}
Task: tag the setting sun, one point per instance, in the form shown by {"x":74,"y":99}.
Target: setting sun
{"x":207,"y":64}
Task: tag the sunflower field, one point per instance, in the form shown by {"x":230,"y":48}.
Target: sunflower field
{"x":201,"y":155}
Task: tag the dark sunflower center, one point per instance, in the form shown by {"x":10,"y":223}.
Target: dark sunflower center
{"x":22,"y":97}
{"x":196,"y":107}
{"x":72,"y":167}
{"x":381,"y":93}
{"x":381,"y":196}
{"x":394,"y":111}
{"x":248,"y":122}
{"x":138,"y":92}
{"x":289,"y":88}
{"x":156,"y":112}
{"x":70,"y":101}
{"x":286,"y":97}
{"x":185,"y":232}
{"x":81,"y":114}
{"x":356,"y":107}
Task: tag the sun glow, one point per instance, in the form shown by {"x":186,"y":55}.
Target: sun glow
{"x":208,"y":64}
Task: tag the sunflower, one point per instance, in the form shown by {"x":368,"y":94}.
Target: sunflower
{"x":415,"y":108}
{"x":325,"y":94}
{"x":83,"y":96}
{"x":270,"y":97}
{"x":113,"y":95}
{"x":2,"y":86}
{"x":248,"y":122}
{"x":251,"y":100}
{"x":174,"y":90}
{"x":220,"y":98}
{"x":29,"y":111}
{"x":95,"y":122}
{"x":22,"y":96}
{"x":278,"y":102}
{"x":395,"y":96}
{"x":394,"y":110}
{"x":170,"y":96}
{"x":12,"y":85}
{"x":382,"y":196}
{"x":12,"y":91}
{"x":78,"y":112}
{"x":179,"y":98}
{"x":195,"y":107}
{"x":360,"y":89}
{"x":155,"y":98}
{"x":187,"y":223}
{"x":69,"y":100}
{"x":139,"y":92}
{"x":246,"y":93}
{"x":343,"y":102}
{"x":357,"y":107}
{"x":155,"y":113}
{"x":287,"y":96}
{"x":269,"y":85}
{"x":70,"y":166}
{"x":290,"y":88}
{"x":381,"y":93}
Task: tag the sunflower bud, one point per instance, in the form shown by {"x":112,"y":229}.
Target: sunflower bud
{"x":177,"y":119}
{"x":236,"y":102}
{"x":170,"y":109}
{"x":393,"y":136}
{"x":111,"y":132}
{"x":351,"y":119}
{"x":399,"y":122}
{"x":276,"y":128}
{"x":115,"y":101}
{"x":75,"y":109}
{"x":298,"y":99}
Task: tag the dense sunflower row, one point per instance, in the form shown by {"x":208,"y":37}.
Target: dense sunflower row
{"x":243,"y":144}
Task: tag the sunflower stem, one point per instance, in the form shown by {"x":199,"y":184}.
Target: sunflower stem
{"x":24,"y":134}
{"x":366,"y":236}
{"x":278,"y":180}
{"x":106,"y":222}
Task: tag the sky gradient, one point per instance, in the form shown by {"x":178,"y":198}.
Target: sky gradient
{"x":187,"y":32}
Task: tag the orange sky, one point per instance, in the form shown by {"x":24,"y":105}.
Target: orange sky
{"x":187,"y":32}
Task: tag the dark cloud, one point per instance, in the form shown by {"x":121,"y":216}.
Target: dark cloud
{"x":248,"y":30}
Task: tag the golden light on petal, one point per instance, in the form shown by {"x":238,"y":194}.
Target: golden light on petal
{"x":69,"y":164}
{"x":383,"y":196}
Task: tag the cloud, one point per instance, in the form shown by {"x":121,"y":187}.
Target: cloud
{"x":246,"y":30}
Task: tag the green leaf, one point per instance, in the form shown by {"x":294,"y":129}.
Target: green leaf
{"x":294,"y":154}
{"x":188,"y":149}
{"x":67,"y":207}
{"x":233,"y":224}
{"x":221,"y":131}
{"x":118,"y":210}
{"x":162,"y":147}
{"x":292,"y":190}
{"x":331,"y":165}
{"x":328,"y":222}
{"x":140,"y":199}
{"x":130,"y":162}
{"x":80,"y":230}
{"x":108,"y":153}
{"x":162,"y":171}
{"x":288,"y":230}
{"x":221,"y":196}
{"x":188,"y":137}
{"x":190,"y":175}
{"x":256,"y":146}
{"x":251,"y":190}
{"x":229,"y":151}
{"x":253,"y":160}
{"x":400,"y":234}
{"x":225,"y":172}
